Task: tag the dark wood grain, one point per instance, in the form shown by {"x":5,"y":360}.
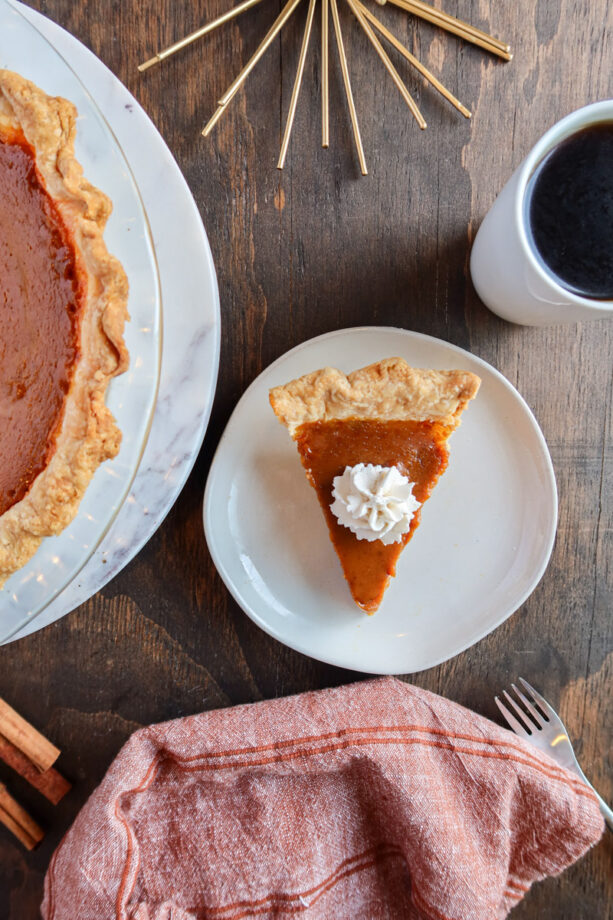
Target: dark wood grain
{"x":300,"y":253}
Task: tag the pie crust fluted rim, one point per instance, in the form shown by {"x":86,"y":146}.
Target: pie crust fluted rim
{"x":389,"y":389}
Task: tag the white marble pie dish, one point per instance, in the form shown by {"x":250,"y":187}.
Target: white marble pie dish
{"x":162,"y":404}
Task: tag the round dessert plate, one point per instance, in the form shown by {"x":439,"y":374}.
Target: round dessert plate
{"x":183,"y":364}
{"x":483,"y":544}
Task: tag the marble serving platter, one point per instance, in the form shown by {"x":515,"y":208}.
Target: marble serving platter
{"x":191,"y":336}
{"x":131,"y":397}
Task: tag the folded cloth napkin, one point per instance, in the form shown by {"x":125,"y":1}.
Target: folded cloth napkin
{"x":375,"y":800}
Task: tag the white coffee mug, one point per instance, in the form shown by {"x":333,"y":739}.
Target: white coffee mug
{"x":508,"y":276}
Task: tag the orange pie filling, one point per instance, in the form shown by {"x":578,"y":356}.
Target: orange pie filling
{"x":417,"y":449}
{"x":42,"y":292}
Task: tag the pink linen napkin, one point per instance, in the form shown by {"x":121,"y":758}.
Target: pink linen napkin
{"x":375,"y":800}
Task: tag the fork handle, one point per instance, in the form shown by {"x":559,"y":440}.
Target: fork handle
{"x":607,"y":814}
{"x":605,"y":811}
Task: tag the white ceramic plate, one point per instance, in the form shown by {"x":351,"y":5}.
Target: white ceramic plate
{"x":483,"y":544}
{"x":131,"y":397}
{"x":190,"y":343}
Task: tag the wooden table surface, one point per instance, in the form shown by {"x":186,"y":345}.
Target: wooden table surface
{"x":303,"y":252}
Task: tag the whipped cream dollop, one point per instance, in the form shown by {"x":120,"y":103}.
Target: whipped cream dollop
{"x":374,"y":502}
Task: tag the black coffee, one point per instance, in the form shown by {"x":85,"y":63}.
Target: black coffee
{"x":569,"y":203}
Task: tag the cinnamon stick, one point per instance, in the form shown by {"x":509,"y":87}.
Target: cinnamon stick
{"x":18,"y":821}
{"x":51,"y":784}
{"x":26,"y":738}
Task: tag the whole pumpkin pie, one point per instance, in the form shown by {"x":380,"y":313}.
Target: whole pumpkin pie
{"x":373,"y":445}
{"x":62,"y":313}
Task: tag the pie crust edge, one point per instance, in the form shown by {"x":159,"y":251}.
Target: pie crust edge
{"x":389,"y":389}
{"x":88,"y":434}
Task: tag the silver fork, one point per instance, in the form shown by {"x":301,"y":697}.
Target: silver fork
{"x":547,"y":733}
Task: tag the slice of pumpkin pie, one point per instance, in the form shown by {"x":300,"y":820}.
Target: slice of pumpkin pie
{"x":373,"y":445}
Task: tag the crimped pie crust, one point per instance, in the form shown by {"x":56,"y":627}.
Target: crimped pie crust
{"x":389,"y":389}
{"x":88,"y":435}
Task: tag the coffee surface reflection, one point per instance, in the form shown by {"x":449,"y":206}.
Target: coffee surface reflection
{"x":569,"y":212}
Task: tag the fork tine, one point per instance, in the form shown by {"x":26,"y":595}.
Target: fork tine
{"x":529,"y":725}
{"x":549,"y":711}
{"x":536,"y":715}
{"x":517,"y":727}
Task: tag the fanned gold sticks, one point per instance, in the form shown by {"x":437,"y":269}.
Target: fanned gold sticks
{"x":370,"y":25}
